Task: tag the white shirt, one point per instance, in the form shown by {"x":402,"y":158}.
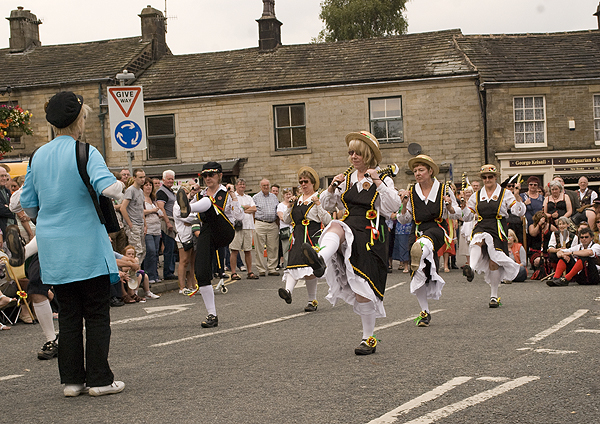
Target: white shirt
{"x":508,"y":202}
{"x":405,"y":218}
{"x":245,"y":200}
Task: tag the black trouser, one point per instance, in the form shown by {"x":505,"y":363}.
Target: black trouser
{"x":84,"y":300}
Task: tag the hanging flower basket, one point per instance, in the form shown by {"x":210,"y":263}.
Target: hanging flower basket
{"x":14,"y":132}
{"x":14,"y":122}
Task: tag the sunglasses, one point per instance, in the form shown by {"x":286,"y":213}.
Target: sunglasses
{"x":584,"y":237}
{"x":487,"y":177}
{"x":209,"y":174}
{"x":352,"y":152}
{"x":303,"y":182}
{"x":533,"y":184}
{"x":510,"y":186}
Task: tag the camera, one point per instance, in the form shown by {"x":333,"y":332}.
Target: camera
{"x":405,"y":196}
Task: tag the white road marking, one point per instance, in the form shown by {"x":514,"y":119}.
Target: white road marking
{"x":387,"y":289}
{"x":556,"y":327}
{"x":392,"y":324}
{"x":10,"y":377}
{"x":587,"y":331}
{"x":549,"y":351}
{"x":173,"y":309}
{"x":390,"y":417}
{"x":495,"y":379}
{"x":229,"y":330}
{"x":473,"y":400}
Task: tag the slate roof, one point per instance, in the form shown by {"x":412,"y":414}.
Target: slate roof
{"x":68,"y":63}
{"x":534,"y":57}
{"x":410,"y":56}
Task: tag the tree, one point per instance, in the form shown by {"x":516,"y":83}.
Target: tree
{"x":352,"y":19}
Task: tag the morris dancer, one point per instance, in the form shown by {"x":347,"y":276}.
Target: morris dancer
{"x":430,"y":208}
{"x":217,"y":207}
{"x":357,"y":273}
{"x":489,"y":245}
{"x":306,"y":216}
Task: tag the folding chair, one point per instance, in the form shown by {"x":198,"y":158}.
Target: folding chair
{"x":16,"y":273}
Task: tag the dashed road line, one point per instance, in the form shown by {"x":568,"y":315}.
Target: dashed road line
{"x":10,"y":377}
{"x":549,"y":351}
{"x":556,"y":327}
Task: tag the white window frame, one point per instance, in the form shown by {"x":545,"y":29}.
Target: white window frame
{"x":386,"y":119}
{"x":596,"y":111}
{"x":529,"y":121}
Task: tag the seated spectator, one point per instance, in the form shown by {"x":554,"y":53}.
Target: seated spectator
{"x":135,"y":278}
{"x":579,"y":262}
{"x":516,"y":252}
{"x":539,"y":237}
{"x":561,"y":239}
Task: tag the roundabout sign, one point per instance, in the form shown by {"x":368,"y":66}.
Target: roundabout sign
{"x":126,"y":112}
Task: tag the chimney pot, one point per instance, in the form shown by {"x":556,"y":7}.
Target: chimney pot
{"x":154,"y":29}
{"x":269,"y":28}
{"x":24,"y":31}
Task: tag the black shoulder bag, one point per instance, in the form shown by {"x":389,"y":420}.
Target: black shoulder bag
{"x":104,"y":205}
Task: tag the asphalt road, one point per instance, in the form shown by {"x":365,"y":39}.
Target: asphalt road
{"x":533,"y":360}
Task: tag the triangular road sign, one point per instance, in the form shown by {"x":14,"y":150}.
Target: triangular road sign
{"x":125,"y":97}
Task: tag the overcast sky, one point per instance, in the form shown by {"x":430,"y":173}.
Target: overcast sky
{"x":196,"y":26}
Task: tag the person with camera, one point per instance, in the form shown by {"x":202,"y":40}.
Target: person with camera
{"x":307,"y":217}
{"x":185,"y":244}
{"x":218,"y":208}
{"x":243,"y":232}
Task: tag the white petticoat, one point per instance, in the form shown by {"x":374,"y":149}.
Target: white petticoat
{"x":436,"y":283}
{"x":343,"y":283}
{"x":480,"y":263}
{"x":297,"y":273}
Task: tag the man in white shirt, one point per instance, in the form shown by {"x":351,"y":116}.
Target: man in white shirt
{"x":579,"y":261}
{"x":243,"y":236}
{"x":586,"y":195}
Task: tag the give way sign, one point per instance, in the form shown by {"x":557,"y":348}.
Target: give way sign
{"x":126,"y":113}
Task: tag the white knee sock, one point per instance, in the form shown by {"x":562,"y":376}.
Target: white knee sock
{"x":208,"y":295}
{"x":421,"y":294}
{"x":43,"y":311}
{"x":201,"y":205}
{"x":495,"y":282}
{"x":329,"y":244}
{"x":311,"y":288}
{"x":367,"y":315}
{"x":290,"y":283}
{"x":31,"y":248}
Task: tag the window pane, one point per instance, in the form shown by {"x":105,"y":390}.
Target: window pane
{"x":518,"y":102}
{"x":529,"y":138}
{"x":539,"y":137}
{"x":395,"y":129}
{"x":528,"y":114}
{"x":161,"y":125}
{"x":161,"y":148}
{"x":539,"y":126}
{"x":519,"y":127}
{"x":519,"y":115}
{"x":282,"y":116}
{"x":528,"y":126}
{"x":519,"y":138}
{"x":379,"y":130}
{"x":284,"y":140}
{"x":377,"y":109}
{"x":539,"y":114}
{"x":539,"y":102}
{"x":528,"y":102}
{"x":596,"y":112}
{"x":393,"y":108}
{"x":299,"y":137}
{"x":596,"y":100}
{"x":297,"y":115}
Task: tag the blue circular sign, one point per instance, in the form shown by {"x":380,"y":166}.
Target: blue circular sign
{"x":128,"y":134}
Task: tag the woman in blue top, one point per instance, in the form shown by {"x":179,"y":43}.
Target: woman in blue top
{"x":56,"y":196}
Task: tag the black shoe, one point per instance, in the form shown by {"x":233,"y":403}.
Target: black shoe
{"x":274,"y":273}
{"x":366,"y":346}
{"x":562,"y":281}
{"x":468,"y":272}
{"x":314,"y":260}
{"x":551,"y":282}
{"x":115,"y":301}
{"x":183,"y":202}
{"x":211,"y":321}
{"x":15,"y":246}
{"x":423,"y":319}
{"x":312,"y":306}
{"x":495,"y":302}
{"x":285,"y":295}
{"x":49,"y":350}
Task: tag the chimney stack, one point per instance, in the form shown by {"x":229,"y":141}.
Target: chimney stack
{"x":24,"y":31}
{"x":154,"y":29}
{"x":269,"y":28}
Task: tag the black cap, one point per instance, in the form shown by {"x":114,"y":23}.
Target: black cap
{"x":212,"y":167}
{"x":63,"y":109}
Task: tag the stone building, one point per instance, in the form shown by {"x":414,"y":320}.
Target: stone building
{"x":32,"y":73}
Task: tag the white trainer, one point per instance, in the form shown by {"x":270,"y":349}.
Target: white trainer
{"x":115,"y":387}
{"x":72,"y":390}
{"x":151,"y":295}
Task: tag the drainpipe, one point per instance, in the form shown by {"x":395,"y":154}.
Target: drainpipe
{"x":483,"y":107}
{"x":102,"y":116}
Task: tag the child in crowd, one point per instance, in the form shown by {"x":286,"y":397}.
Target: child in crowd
{"x":133,"y":279}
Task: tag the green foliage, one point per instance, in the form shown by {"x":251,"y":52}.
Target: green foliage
{"x":352,"y":19}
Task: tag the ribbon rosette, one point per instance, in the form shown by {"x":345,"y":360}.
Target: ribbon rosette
{"x":22,"y":294}
{"x":371,"y":341}
{"x":305,"y":222}
{"x":371,"y":214}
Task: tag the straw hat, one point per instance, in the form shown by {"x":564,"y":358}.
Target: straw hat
{"x":369,"y":139}
{"x":489,"y":169}
{"x":311,"y":172}
{"x":424,"y":159}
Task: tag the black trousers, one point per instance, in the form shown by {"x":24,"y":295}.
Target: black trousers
{"x":84,"y":300}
